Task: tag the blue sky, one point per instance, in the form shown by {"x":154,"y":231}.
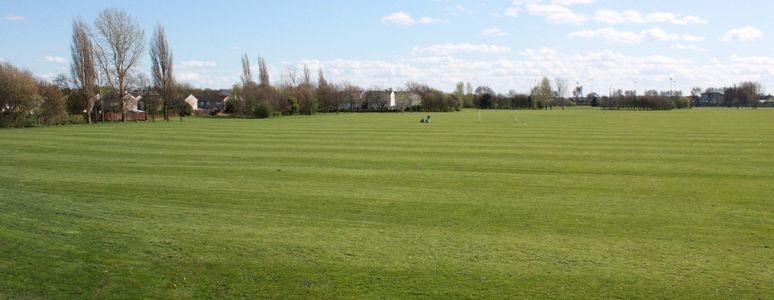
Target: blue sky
{"x":506,"y":44}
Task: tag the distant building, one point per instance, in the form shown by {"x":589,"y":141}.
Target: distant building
{"x":192,"y":101}
{"x":766,"y":100}
{"x":215,"y":102}
{"x":714,"y":98}
{"x":131,"y":102}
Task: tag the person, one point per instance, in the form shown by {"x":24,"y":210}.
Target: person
{"x":422,"y":120}
{"x":428,"y":118}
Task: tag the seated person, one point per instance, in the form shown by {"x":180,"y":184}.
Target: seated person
{"x":422,"y":120}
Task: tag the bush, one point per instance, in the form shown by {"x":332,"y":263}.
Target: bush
{"x":683,"y":102}
{"x":76,"y":119}
{"x":262,"y":110}
{"x":293,"y":105}
{"x":230,"y":107}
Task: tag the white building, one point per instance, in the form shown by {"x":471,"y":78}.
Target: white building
{"x":130,"y":102}
{"x":192,"y":101}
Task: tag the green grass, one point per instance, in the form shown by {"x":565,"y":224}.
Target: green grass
{"x":554,"y":204}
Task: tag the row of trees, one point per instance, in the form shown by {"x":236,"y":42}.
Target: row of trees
{"x":544,"y":95}
{"x":746,"y":93}
{"x":297,"y":94}
{"x":104,"y":61}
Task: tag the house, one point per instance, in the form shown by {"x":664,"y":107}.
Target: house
{"x":130,"y":103}
{"x":192,"y":101}
{"x":214,"y":101}
{"x":711,"y":98}
{"x":766,"y":100}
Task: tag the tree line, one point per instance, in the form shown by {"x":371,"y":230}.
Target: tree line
{"x":104,"y":59}
{"x":105,"y":55}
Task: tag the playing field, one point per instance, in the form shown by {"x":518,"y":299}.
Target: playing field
{"x":541,"y":204}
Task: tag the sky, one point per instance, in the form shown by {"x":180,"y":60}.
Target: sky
{"x":504,"y":44}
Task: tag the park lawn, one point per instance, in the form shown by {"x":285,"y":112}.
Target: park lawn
{"x":576,"y":203}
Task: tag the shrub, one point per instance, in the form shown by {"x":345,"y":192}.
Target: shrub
{"x":230,"y":106}
{"x":683,"y":102}
{"x":76,"y":119}
{"x":262,"y":110}
{"x":293,"y":105}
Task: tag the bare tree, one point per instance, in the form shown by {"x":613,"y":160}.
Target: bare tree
{"x":459,"y":94}
{"x":247,"y":72}
{"x":542,"y":94}
{"x":469,"y":97}
{"x":561,"y":89}
{"x":577,"y":93}
{"x":119,"y":45}
{"x":305,"y":93}
{"x":351,"y":95}
{"x":748,"y":93}
{"x":307,"y":77}
{"x":82,"y":65}
{"x":326,"y":93}
{"x":292,"y":80}
{"x":696,"y":92}
{"x":263,"y":73}
{"x":162,"y":70}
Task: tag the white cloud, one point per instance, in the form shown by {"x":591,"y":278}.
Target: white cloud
{"x":609,"y":34}
{"x":428,"y":20}
{"x":691,"y":20}
{"x":753,"y":60}
{"x":555,"y":13}
{"x":657,"y":34}
{"x":448,"y":49}
{"x":399,"y":18}
{"x":557,"y":2}
{"x":14,"y":18}
{"x":2,"y":60}
{"x":53,"y":59}
{"x":49,"y":76}
{"x":404,"y":19}
{"x":511,"y":11}
{"x":189,"y":76}
{"x":572,"y":2}
{"x":198,"y":64}
{"x":689,"y":47}
{"x":628,"y":37}
{"x":744,"y":34}
{"x":633,"y":16}
{"x":460,"y":8}
{"x":494,"y":31}
{"x":693,"y":38}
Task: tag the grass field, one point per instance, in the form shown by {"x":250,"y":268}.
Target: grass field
{"x":543,"y":204}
